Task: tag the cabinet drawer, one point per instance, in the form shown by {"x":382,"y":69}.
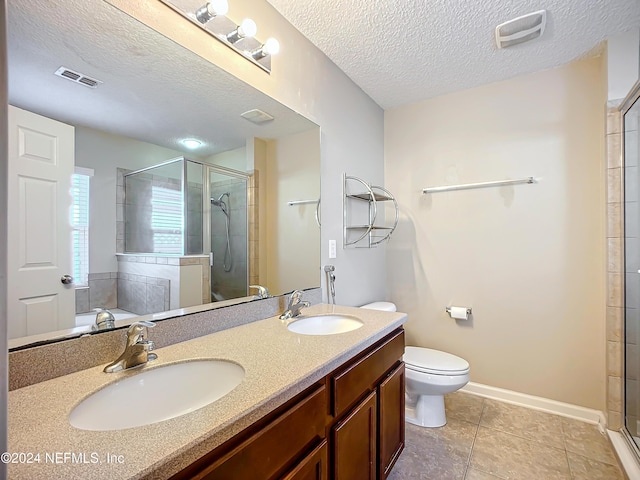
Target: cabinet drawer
{"x":360,"y":377}
{"x":274,"y":448}
{"x":314,"y":466}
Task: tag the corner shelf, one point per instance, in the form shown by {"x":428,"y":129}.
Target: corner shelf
{"x":369,"y":234}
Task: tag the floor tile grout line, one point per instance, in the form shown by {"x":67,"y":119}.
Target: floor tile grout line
{"x":473,"y":443}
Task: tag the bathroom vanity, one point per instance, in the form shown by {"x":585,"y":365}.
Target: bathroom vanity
{"x":309,"y":407}
{"x":348,"y":417}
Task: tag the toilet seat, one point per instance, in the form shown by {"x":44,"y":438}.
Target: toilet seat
{"x":434,"y":362}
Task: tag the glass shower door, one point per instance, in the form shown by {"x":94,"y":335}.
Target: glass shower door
{"x":229,"y":235}
{"x":632,"y":273}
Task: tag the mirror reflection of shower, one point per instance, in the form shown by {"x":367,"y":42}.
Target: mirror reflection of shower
{"x":187,"y":208}
{"x":219,"y":202}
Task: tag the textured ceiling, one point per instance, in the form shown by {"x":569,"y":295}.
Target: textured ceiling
{"x":403,"y":51}
{"x":154,"y":90}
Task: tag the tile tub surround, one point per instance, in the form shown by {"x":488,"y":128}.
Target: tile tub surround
{"x":487,"y":439}
{"x":40,"y":363}
{"x":168,"y":267}
{"x":278,"y":365}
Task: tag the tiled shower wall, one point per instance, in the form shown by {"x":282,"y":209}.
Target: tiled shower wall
{"x":615,"y":269}
{"x":231,"y":284}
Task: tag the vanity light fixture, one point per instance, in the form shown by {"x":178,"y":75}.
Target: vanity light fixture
{"x":246,"y":29}
{"x":212,"y":17}
{"x":191,"y":143}
{"x":211,"y":9}
{"x":270,"y":47}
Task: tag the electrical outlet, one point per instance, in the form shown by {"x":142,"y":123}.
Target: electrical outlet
{"x":332,"y":249}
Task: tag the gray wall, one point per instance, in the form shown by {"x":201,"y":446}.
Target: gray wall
{"x":3,"y":237}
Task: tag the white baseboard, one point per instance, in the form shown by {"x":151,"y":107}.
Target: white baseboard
{"x":568,"y":410}
{"x":625,"y":455}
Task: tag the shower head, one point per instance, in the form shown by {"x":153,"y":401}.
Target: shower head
{"x":218,"y":201}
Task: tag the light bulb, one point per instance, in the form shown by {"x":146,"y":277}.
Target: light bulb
{"x":221,"y":7}
{"x":247,"y":28}
{"x":212,"y":9}
{"x":271,"y":46}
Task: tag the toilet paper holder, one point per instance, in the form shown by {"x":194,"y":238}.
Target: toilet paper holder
{"x":448,"y":310}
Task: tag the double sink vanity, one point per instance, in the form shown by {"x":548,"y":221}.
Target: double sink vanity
{"x":316,"y":396}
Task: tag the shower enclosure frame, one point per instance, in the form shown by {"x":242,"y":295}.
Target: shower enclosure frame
{"x":625,"y":106}
{"x":207,"y":170}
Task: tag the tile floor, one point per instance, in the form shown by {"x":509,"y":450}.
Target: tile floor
{"x":487,"y":440}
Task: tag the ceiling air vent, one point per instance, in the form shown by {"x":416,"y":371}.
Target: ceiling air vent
{"x":257,"y":116}
{"x":521,"y":29}
{"x":77,"y":77}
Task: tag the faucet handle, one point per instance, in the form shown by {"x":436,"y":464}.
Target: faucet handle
{"x":136,"y":328}
{"x":295,"y":297}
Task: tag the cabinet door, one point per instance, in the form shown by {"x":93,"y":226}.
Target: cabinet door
{"x":390,"y":420}
{"x":268,"y":453}
{"x":313,"y":467}
{"x":354,"y":443}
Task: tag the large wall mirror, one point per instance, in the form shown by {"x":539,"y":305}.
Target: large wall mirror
{"x":112,"y":209}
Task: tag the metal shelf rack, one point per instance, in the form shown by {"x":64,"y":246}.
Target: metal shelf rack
{"x":365,"y":234}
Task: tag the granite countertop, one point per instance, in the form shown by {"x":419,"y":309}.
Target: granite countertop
{"x":278,"y":364}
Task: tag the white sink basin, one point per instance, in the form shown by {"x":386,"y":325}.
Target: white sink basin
{"x":329,"y":324}
{"x":156,"y":395}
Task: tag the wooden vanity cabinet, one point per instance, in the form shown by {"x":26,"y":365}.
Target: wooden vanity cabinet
{"x":390,"y":420}
{"x":354,"y":441}
{"x":314,"y":466}
{"x":347,"y":426}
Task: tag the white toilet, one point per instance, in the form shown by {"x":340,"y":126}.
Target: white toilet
{"x":430,"y":374}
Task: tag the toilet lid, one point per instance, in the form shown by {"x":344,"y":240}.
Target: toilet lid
{"x":434,"y":361}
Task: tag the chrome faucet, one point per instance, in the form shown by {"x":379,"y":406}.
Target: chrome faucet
{"x":262,"y":291}
{"x":104,"y":320}
{"x":295,"y":305}
{"x":137,"y":350}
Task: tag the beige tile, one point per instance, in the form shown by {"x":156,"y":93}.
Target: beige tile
{"x":524,"y":422}
{"x":613,"y":123}
{"x":614,"y":290}
{"x":614,"y":324}
{"x":614,"y":420}
{"x":432,"y":453}
{"x":586,"y":440}
{"x":410,"y":466}
{"x":511,"y":457}
{"x":464,"y":406}
{"x":613,"y":185}
{"x":473,"y":474}
{"x":614,"y":394}
{"x":450,"y":444}
{"x":614,"y":220}
{"x":614,"y":150}
{"x":614,"y":255}
{"x":614,"y":359}
{"x":583,"y":468}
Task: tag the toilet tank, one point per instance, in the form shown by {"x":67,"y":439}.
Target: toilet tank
{"x":386,"y":306}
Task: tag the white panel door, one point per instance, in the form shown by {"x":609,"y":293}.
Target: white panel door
{"x":41,"y":162}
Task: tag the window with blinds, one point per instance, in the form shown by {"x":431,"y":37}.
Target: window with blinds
{"x":167,"y":213}
{"x":80,"y":228}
